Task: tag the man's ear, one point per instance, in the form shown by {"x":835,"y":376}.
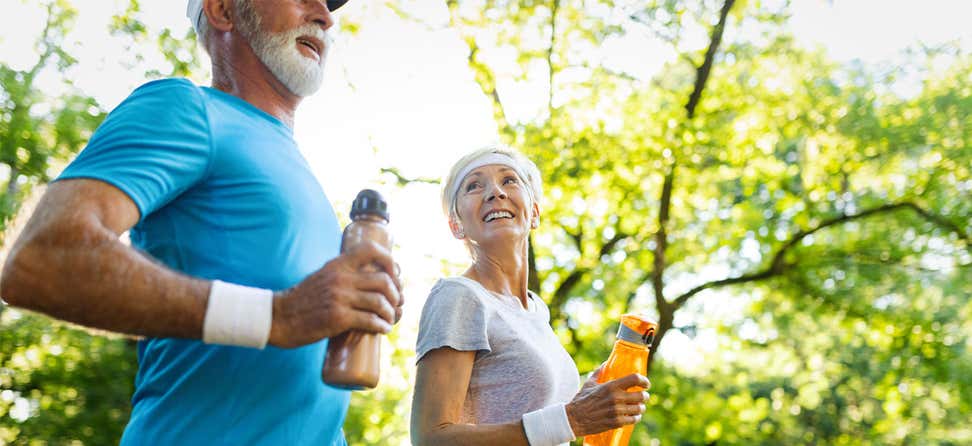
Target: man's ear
{"x":219,"y":14}
{"x":456,"y":228}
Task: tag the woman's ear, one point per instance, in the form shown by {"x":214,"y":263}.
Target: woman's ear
{"x":456,"y":228}
{"x":535,"y":220}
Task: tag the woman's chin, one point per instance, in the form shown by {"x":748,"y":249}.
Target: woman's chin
{"x":503,"y":234}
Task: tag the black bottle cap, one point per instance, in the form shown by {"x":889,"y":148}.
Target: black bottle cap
{"x":369,"y":202}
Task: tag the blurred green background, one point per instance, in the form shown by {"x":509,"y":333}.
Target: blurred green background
{"x":799,"y":225}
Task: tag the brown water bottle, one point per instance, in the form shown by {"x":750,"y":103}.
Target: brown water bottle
{"x":352,"y":359}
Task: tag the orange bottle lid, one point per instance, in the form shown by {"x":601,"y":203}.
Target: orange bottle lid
{"x":637,"y":326}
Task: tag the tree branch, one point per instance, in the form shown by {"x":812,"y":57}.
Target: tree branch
{"x":560,"y":295}
{"x":940,"y":221}
{"x":609,"y":245}
{"x":666,"y":310}
{"x":402,"y":180}
{"x":576,"y":237}
{"x":661,"y":239}
{"x":487,"y":82}
{"x":671,"y":39}
{"x":553,"y":40}
{"x":702,"y":72}
{"x":563,"y":290}
{"x":484,"y":76}
{"x":777,"y":265}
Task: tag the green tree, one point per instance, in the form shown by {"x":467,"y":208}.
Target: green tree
{"x":36,"y":129}
{"x":830,"y":215}
{"x":751,"y":170}
{"x":60,"y":384}
{"x":180,"y":54}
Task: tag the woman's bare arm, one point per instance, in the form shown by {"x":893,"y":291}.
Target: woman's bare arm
{"x":441,"y":385}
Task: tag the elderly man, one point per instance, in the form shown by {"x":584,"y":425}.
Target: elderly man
{"x":229,"y":231}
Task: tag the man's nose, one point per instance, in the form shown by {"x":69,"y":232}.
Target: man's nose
{"x":320,"y":15}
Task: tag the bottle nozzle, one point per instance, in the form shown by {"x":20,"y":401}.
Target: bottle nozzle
{"x":369,"y":202}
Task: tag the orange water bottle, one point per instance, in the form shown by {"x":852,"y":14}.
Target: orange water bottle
{"x":630,"y":355}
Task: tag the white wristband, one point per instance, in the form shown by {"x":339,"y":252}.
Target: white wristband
{"x":238,"y":315}
{"x":548,"y":426}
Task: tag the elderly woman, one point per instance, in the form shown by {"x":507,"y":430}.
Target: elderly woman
{"x":491,"y":371}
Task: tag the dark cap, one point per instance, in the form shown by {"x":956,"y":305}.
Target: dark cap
{"x":369,"y":202}
{"x":194,"y":11}
{"x":333,"y":5}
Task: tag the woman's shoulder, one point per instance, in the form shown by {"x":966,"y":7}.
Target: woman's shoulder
{"x":453,"y":316}
{"x":451,"y":292}
{"x":458,"y":286}
{"x":459,"y":294}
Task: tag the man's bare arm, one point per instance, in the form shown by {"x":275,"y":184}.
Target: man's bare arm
{"x":69,"y":263}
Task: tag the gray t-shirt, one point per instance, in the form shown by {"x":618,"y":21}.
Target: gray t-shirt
{"x":520,"y":365}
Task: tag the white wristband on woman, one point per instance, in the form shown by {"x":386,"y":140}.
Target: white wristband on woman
{"x":238,"y":315}
{"x":548,"y":426}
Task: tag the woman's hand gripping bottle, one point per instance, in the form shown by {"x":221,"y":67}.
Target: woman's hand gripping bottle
{"x":630,"y":355}
{"x":352,"y":360}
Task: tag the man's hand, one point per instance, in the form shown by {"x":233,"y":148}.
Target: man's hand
{"x":357,"y":290}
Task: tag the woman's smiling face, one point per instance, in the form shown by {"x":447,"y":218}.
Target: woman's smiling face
{"x":493,"y":202}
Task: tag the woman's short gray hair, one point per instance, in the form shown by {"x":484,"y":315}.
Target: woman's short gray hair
{"x":525,"y":168}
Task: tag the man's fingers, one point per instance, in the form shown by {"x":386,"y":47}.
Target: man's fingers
{"x":635,"y":409}
{"x":632,"y":380}
{"x":371,"y":253}
{"x":379,"y":283}
{"x":369,"y":322}
{"x":631,"y":419}
{"x":636,"y":397}
{"x":398,"y":283}
{"x":375,"y":303}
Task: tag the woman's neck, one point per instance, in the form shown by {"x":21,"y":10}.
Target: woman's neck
{"x":504,"y":273}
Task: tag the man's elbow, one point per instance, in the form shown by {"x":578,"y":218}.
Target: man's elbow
{"x":20,"y":281}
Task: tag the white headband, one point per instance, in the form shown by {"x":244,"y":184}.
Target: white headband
{"x":194,"y":11}
{"x":485,"y":160}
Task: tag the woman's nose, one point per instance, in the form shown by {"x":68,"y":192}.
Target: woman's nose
{"x":495,"y":192}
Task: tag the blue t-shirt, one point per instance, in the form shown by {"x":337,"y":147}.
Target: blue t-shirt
{"x":223,"y":194}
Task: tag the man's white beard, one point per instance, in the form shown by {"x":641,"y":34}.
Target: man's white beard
{"x":300,"y":74}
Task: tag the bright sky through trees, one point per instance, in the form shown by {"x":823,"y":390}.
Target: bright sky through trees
{"x":399,"y":93}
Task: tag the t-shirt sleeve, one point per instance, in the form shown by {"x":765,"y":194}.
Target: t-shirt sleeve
{"x":453,"y":317}
{"x":154,"y":146}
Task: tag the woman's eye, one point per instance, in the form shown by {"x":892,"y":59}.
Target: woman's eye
{"x":472,"y":186}
{"x":510,"y":180}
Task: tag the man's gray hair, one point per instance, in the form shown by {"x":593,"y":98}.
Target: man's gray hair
{"x":200,"y":24}
{"x":525,"y":168}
